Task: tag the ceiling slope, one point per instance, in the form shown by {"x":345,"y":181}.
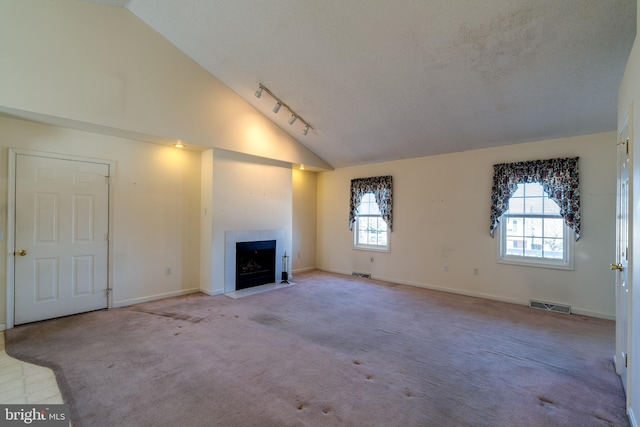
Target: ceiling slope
{"x":384,"y":80}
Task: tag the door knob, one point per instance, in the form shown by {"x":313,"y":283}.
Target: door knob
{"x":616,"y":267}
{"x":22,"y":252}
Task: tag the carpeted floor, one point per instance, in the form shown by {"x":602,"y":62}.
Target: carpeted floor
{"x":331,"y":350}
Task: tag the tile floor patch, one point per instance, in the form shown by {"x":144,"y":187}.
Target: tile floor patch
{"x":24,"y":383}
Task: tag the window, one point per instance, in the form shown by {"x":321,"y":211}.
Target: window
{"x":532,"y":231}
{"x":371,"y":230}
{"x":371,"y":212}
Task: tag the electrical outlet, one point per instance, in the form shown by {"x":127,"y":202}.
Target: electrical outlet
{"x":445,"y":267}
{"x":476,"y":271}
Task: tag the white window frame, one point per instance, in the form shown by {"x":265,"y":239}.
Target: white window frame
{"x":368,"y":247}
{"x":566,"y":263}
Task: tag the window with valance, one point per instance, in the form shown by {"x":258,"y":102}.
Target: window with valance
{"x":382,"y":189}
{"x":559,"y":179}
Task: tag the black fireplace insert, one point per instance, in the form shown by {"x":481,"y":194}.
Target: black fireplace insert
{"x":255,"y":263}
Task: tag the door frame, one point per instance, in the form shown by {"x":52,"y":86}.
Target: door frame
{"x":11,"y":221}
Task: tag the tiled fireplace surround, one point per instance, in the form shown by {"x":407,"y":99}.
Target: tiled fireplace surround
{"x":233,"y":237}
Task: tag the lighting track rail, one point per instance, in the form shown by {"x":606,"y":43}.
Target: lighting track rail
{"x":279,"y":104}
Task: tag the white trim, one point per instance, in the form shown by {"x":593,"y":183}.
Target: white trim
{"x":11,"y":198}
{"x":632,"y":418}
{"x":155,"y":297}
{"x":3,"y":326}
{"x":302,"y":270}
{"x":576,"y":311}
{"x":212,"y":293}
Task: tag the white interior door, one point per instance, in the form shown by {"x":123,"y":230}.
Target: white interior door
{"x":61,"y":237}
{"x":622,"y":256}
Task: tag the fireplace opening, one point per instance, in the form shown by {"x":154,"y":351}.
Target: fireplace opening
{"x":255,"y":263}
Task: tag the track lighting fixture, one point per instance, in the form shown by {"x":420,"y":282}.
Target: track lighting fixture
{"x":280,"y":104}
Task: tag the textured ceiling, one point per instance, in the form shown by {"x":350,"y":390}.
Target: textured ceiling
{"x":383,"y":80}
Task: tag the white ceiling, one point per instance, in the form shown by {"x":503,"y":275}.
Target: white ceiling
{"x":390,"y":79}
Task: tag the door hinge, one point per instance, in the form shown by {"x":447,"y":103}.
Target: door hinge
{"x":626,"y":360}
{"x":109,"y":290}
{"x":626,"y":145}
{"x":107,"y":180}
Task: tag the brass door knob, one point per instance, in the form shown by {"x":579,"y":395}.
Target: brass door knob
{"x":616,"y":267}
{"x":22,"y":252}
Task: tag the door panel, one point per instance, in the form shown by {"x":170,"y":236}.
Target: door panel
{"x":61,"y":237}
{"x":622,"y":256}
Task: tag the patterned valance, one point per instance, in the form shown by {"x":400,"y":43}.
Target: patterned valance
{"x":559,"y":179}
{"x":382,"y":189}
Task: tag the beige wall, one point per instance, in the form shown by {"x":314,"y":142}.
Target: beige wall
{"x":441,"y":216}
{"x":91,"y":66}
{"x":303,"y":256}
{"x":156,"y":205}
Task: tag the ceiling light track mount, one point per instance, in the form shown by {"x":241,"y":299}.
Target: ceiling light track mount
{"x":279,"y":104}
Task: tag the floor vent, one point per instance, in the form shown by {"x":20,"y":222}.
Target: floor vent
{"x":559,"y":308}
{"x":363,"y":275}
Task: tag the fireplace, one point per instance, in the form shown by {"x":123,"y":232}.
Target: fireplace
{"x":233,"y":237}
{"x":255,"y":263}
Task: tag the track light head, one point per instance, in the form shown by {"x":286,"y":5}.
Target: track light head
{"x":278,"y":106}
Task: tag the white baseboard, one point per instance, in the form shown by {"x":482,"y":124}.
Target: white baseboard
{"x":302,"y":270}
{"x":574,"y":310}
{"x":132,"y":301}
{"x":3,"y":326}
{"x":212,"y":293}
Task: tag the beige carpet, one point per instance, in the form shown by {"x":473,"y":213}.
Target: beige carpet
{"x":330,"y":351}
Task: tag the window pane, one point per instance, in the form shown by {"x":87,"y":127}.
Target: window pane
{"x":533,"y":206}
{"x":553,"y":227}
{"x":533,"y":227}
{"x":551,"y":207}
{"x":372,"y":230}
{"x":535,"y":247}
{"x":513,"y":225}
{"x":516,"y":206}
{"x":533,"y":189}
{"x":382,"y":232}
{"x":515,"y":246}
{"x":519,"y":191}
{"x":553,"y":248}
{"x":368,"y":205}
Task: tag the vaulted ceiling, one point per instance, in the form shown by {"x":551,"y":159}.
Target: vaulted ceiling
{"x":384,"y":80}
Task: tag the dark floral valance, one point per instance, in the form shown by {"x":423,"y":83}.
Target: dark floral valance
{"x":559,"y":179}
{"x":382,"y":189}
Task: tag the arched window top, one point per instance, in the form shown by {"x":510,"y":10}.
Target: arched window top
{"x":559,"y":179}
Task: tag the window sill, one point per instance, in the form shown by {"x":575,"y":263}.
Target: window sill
{"x":527,"y":262}
{"x":372,"y":248}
